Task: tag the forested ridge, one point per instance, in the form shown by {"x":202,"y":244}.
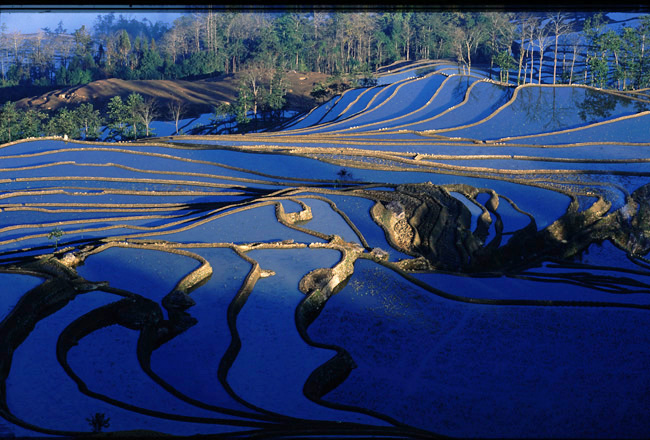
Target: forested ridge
{"x":520,"y":48}
{"x":209,"y":43}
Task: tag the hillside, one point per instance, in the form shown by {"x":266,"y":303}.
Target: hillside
{"x":439,"y":255}
{"x":200,"y":96}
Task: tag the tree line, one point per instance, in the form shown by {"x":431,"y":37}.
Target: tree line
{"x":125,"y":119}
{"x":259,"y":104}
{"x":522,"y":45}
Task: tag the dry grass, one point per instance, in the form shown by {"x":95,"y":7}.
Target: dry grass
{"x":200,"y":96}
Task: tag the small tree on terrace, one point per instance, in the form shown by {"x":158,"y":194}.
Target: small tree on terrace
{"x":506,"y":62}
{"x":242,"y":106}
{"x":275,"y":99}
{"x":90,"y":120}
{"x":592,"y":29}
{"x":527,"y":27}
{"x":177,"y":109}
{"x":148,"y":110}
{"x":64,"y":123}
{"x":500,"y":32}
{"x":9,"y":116}
{"x":643,"y":72}
{"x":575,"y":41}
{"x":118,"y":116}
{"x":631,"y":43}
{"x":55,"y":235}
{"x":320,"y":92}
{"x":542,"y":44}
{"x":31,"y":123}
{"x":223,"y":115}
{"x":559,"y":26}
{"x":252,"y":79}
{"x":467,"y":37}
{"x":599,"y":69}
{"x":99,"y":421}
{"x":134,"y":106}
{"x":611,"y":42}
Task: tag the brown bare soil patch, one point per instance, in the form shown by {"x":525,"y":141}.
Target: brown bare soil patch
{"x":200,"y":96}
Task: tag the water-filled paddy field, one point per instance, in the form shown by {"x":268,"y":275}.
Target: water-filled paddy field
{"x":438,"y":255}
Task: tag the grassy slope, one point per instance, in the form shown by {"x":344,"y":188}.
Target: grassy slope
{"x":200,"y":96}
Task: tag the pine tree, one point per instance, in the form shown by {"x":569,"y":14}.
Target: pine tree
{"x":64,"y":123}
{"x":9,"y":122}
{"x":134,"y":107}
{"x":90,"y":121}
{"x":118,"y":116}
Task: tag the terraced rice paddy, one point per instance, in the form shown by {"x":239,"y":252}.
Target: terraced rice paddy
{"x":440,"y":255}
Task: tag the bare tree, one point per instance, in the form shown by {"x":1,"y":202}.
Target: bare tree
{"x":110,"y":50}
{"x":16,"y":39}
{"x":38,"y":42}
{"x":522,"y":37}
{"x":531,"y":45}
{"x":211,"y":23}
{"x":575,"y":42}
{"x":466,"y":42}
{"x":41,"y":55}
{"x":459,"y":50}
{"x":170,"y":43}
{"x":407,"y":32}
{"x":542,"y":43}
{"x":195,"y":27}
{"x":147,"y":112}
{"x":360,"y":27}
{"x":64,"y":44}
{"x":176,"y":109}
{"x":319,"y":21}
{"x":559,"y":26}
{"x":500,"y":32}
{"x":252,"y":79}
{"x":527,"y":28}
{"x":3,"y":50}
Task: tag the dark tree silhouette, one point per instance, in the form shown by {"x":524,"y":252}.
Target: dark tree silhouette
{"x":98,"y":421}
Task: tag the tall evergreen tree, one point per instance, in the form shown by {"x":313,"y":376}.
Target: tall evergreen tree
{"x":31,"y":123}
{"x":64,"y":123}
{"x":9,"y":122}
{"x":134,"y":108}
{"x":89,"y":120}
{"x":592,"y":29}
{"x":118,"y":118}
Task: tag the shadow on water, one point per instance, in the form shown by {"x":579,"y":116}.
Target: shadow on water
{"x":597,"y":105}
